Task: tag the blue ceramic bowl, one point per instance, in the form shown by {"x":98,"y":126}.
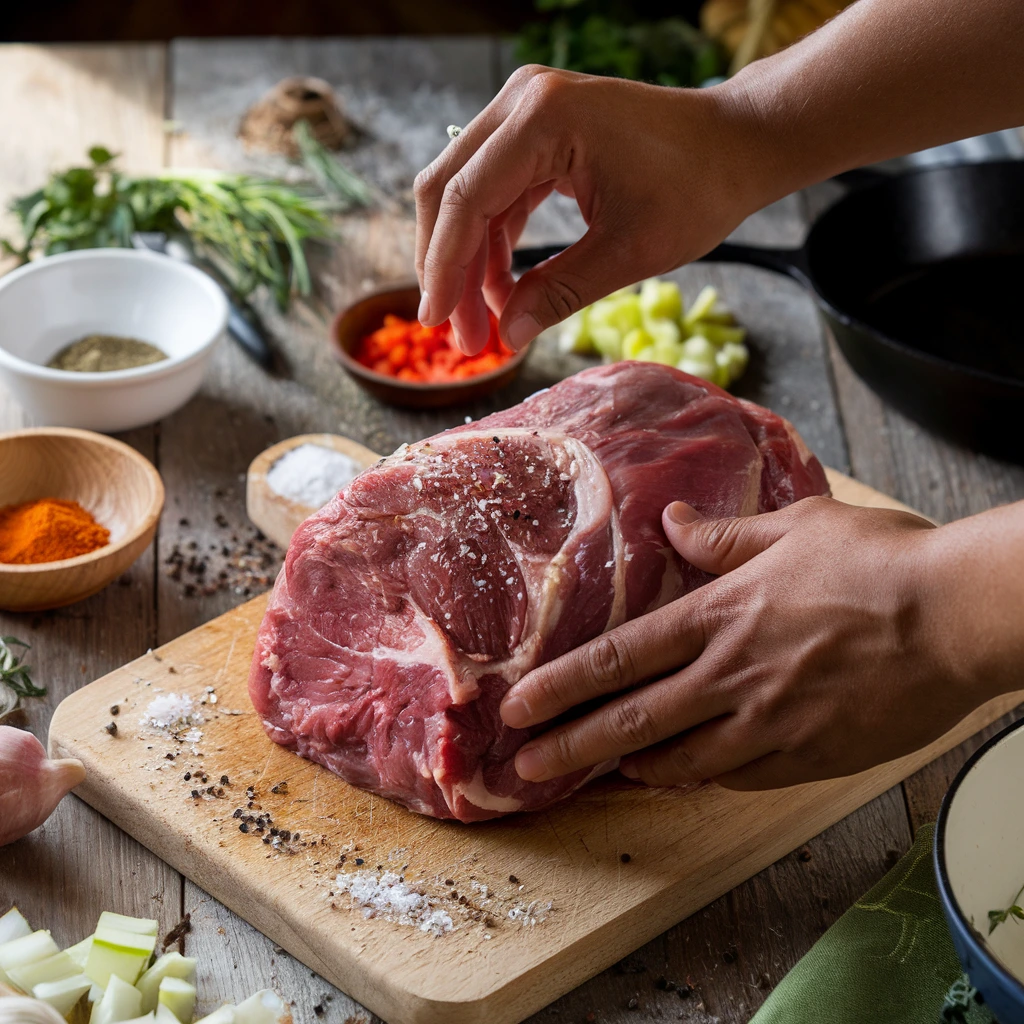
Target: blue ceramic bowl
{"x":979,"y":866}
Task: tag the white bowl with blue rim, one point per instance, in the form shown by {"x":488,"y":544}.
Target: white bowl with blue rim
{"x":979,"y":866}
{"x":51,"y":302}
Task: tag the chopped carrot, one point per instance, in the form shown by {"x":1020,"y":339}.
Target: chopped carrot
{"x":407,"y":350}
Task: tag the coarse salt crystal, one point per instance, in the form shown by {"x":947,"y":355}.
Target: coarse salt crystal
{"x":175,"y":716}
{"x":312,"y":474}
{"x":387,"y":896}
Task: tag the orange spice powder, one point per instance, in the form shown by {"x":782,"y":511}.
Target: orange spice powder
{"x":47,"y":530}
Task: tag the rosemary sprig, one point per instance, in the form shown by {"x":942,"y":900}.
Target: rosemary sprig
{"x":997,"y":917}
{"x":255,"y":229}
{"x":15,"y":680}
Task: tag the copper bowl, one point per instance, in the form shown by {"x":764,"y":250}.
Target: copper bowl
{"x":367,"y":315}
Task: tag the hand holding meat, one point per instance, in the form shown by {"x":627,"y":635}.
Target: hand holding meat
{"x":835,"y":638}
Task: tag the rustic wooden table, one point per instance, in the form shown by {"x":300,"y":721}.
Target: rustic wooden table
{"x":179,"y":105}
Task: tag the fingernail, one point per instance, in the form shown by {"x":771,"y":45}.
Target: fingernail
{"x":629,"y":770}
{"x":515,"y":713}
{"x":423,"y":312}
{"x":682,"y":514}
{"x":523,"y":329}
{"x":529,"y":764}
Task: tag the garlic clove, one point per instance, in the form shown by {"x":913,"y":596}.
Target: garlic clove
{"x":27,"y":1011}
{"x":31,"y":785}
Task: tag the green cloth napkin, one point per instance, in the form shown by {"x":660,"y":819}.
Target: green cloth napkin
{"x":889,"y":959}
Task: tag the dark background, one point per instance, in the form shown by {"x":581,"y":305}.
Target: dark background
{"x":107,"y":20}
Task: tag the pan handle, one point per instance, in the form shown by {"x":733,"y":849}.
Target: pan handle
{"x":791,"y":262}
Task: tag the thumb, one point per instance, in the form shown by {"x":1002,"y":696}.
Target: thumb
{"x":721,"y":545}
{"x":555,"y":289}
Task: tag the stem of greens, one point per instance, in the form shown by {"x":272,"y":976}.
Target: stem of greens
{"x":15,"y":681}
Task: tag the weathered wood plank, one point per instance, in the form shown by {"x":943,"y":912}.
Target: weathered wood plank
{"x":403,"y":93}
{"x":54,"y":103}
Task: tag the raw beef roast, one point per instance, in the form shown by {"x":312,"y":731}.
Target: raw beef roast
{"x":410,"y":603}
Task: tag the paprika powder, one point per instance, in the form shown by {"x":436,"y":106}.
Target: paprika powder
{"x":47,"y":530}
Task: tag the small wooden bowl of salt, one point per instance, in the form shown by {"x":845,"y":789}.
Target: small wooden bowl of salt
{"x":288,"y":482}
{"x":102,"y":483}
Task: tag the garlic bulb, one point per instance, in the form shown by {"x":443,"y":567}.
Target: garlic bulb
{"x":31,"y":785}
{"x":17,"y":1010}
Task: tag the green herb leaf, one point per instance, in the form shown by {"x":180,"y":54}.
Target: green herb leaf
{"x":15,"y":680}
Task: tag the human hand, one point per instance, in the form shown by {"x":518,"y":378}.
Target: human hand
{"x":822,"y":649}
{"x":660,"y":175}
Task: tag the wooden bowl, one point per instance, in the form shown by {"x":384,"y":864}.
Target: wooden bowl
{"x":277,"y":516}
{"x":353,"y":324}
{"x":114,"y":482}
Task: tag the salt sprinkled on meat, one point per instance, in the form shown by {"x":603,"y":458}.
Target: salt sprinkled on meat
{"x":390,"y":898}
{"x":175,"y":716}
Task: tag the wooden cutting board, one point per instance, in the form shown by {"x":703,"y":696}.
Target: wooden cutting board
{"x":617,"y":863}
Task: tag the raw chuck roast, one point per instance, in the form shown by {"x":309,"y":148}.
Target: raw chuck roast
{"x":410,"y":603}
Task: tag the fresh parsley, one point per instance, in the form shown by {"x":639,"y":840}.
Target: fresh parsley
{"x":997,"y":917}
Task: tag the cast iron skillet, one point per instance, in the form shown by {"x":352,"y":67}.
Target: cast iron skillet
{"x":920,"y":276}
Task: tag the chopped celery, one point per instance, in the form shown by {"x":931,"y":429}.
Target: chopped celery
{"x":574,"y":335}
{"x":733,"y":359}
{"x":170,"y":965}
{"x":263,"y":1007}
{"x":119,"y":953}
{"x":179,"y":997}
{"x":64,"y":994}
{"x":698,"y":347}
{"x":667,"y":351}
{"x":661,"y":299}
{"x":663,"y":330}
{"x":137,"y":925}
{"x":622,"y":313}
{"x":721,"y":334}
{"x":719,"y":313}
{"x":79,"y":952}
{"x":121,"y":1001}
{"x":702,"y":305}
{"x":51,"y":968}
{"x":27,"y":950}
{"x":703,"y":368}
{"x":637,"y":341}
{"x":13,"y":926}
{"x":607,"y":341}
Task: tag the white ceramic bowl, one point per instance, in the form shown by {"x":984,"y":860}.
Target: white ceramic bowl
{"x":979,"y":866}
{"x":55,"y":300}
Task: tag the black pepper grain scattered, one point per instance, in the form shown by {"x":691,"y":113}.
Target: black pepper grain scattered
{"x":244,"y":827}
{"x":187,"y":776}
{"x":224,"y":780}
{"x":195,"y":794}
{"x":115,"y":710}
{"x":513,"y":879}
{"x":625,"y":858}
{"x":112,"y":728}
{"x":359,"y":861}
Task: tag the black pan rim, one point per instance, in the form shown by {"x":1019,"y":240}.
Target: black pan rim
{"x":900,"y":347}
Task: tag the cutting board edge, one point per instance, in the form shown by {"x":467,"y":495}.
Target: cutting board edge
{"x":508,"y":1000}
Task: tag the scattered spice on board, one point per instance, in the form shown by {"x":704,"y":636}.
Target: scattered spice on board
{"x":245,"y":567}
{"x":48,"y":530}
{"x":175,"y":716}
{"x":311,"y":474}
{"x":388,"y":896}
{"x":105,"y":353}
